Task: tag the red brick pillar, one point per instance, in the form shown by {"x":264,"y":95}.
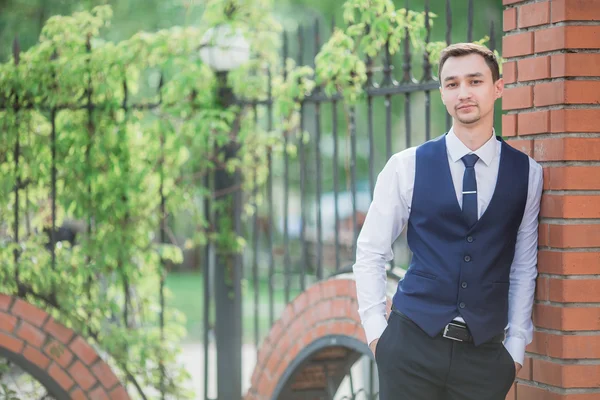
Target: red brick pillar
{"x":552,"y":104}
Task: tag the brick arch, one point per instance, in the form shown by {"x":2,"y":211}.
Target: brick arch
{"x":327,"y":309}
{"x":55,"y":355}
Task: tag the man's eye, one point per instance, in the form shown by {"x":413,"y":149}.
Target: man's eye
{"x":476,"y":82}
{"x":450,"y":85}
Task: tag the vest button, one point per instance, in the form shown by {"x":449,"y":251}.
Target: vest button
{"x":470,"y":239}
{"x":464,"y":285}
{"x":468,"y":258}
{"x":462,"y":305}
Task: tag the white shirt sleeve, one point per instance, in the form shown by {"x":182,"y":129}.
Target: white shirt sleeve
{"x":385,"y":220}
{"x":523,"y":272}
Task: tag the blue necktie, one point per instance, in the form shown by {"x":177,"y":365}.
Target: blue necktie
{"x":469,"y":204}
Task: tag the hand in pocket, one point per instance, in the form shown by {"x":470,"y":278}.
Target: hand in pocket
{"x":373,"y":346}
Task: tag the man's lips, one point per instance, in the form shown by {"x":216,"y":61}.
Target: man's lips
{"x":466,"y":106}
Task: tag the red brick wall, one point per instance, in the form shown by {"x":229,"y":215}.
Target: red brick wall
{"x":552,"y":105}
{"x":65,"y":356}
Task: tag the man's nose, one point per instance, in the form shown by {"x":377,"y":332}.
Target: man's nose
{"x":464,"y":92}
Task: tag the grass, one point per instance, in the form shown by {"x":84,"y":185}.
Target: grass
{"x":187,"y":295}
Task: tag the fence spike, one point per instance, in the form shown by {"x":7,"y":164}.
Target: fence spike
{"x":448,"y":23}
{"x":285,"y":54}
{"x":492,"y":36}
{"x":470,"y":22}
{"x":16,"y":50}
{"x":300,"y":34}
{"x":426,"y":63}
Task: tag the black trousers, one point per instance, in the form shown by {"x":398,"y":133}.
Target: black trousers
{"x":413,"y":366}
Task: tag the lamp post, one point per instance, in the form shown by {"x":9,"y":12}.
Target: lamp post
{"x":224,"y":49}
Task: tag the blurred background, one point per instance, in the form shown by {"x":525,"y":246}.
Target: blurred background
{"x":25,"y":18}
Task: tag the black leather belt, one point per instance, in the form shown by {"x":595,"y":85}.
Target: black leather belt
{"x":459,"y":331}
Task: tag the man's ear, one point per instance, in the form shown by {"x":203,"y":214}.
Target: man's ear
{"x":442,"y":95}
{"x":499,"y":88}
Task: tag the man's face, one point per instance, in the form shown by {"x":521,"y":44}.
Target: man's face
{"x":467,"y":88}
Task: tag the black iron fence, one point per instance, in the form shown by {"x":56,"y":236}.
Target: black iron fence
{"x":316,"y":200}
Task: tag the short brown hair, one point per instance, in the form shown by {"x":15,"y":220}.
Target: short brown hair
{"x":464,"y":49}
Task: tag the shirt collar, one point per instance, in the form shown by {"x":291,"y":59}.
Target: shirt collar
{"x":457,"y":149}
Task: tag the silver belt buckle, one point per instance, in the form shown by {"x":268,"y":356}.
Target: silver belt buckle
{"x":450,"y":337}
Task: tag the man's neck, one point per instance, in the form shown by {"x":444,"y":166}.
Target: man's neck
{"x":473,"y":136}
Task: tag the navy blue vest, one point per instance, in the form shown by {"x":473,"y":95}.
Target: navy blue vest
{"x":456,"y":270}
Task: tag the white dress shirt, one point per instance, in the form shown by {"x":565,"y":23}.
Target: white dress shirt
{"x":388,"y":215}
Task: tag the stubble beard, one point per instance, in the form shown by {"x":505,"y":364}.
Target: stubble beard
{"x":471,"y":119}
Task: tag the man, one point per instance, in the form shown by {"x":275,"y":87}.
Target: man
{"x":461,"y":316}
